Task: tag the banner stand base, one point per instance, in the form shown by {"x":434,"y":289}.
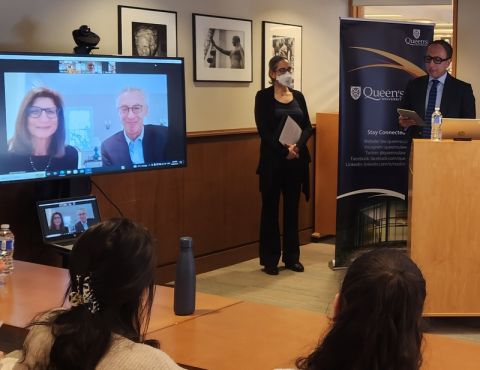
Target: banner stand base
{"x":332,"y":266}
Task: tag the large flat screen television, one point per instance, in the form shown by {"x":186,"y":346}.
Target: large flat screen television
{"x":67,"y":115}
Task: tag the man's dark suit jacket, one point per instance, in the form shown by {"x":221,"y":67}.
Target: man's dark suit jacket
{"x":115,"y":149}
{"x":79,"y":227}
{"x":272,"y":153}
{"x":457,"y":100}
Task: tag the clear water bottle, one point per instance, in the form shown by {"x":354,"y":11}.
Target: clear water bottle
{"x":437,"y":118}
{"x":7,"y":241}
{"x":185,"y":279}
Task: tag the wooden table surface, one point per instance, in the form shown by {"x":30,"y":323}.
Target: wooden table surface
{"x":223,"y":333}
{"x":243,"y":336}
{"x":29,"y":290}
{"x":33,"y":289}
{"x":257,"y":336}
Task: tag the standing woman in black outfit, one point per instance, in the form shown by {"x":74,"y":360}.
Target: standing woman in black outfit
{"x":282,"y":169}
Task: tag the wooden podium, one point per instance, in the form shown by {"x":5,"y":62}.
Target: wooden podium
{"x":444,"y":224}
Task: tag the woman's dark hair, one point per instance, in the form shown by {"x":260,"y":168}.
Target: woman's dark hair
{"x":52,"y":224}
{"x":118,"y":257}
{"x":378,"y":324}
{"x":273,"y":63}
{"x":21,"y":142}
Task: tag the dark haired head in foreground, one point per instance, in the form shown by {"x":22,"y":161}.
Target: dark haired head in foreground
{"x":377,"y":320}
{"x":111,"y":293}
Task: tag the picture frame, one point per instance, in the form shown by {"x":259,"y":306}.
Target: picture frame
{"x":147,"y":32}
{"x":282,"y":39}
{"x":222,"y":49}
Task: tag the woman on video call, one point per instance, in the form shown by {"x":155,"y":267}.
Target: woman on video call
{"x":38,"y":143}
{"x":56,"y":224}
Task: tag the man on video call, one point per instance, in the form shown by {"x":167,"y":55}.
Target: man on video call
{"x":437,"y":89}
{"x":136,"y":143}
{"x":83,"y":222}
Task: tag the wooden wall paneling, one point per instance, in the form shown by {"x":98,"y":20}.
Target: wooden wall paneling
{"x":326,"y":166}
{"x":204,"y":195}
{"x":18,"y":208}
{"x":215,"y":199}
{"x":243,"y":201}
{"x":153,"y":198}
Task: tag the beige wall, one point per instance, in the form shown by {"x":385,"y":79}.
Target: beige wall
{"x":46,"y":25}
{"x":468,"y":49}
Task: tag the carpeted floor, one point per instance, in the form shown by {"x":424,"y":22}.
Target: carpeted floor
{"x":311,"y":290}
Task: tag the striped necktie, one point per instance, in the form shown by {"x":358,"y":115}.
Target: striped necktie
{"x":432,"y":99}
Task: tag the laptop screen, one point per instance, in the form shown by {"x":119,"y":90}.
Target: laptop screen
{"x":66,"y":219}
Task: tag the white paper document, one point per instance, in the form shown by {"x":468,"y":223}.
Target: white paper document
{"x":291,"y":132}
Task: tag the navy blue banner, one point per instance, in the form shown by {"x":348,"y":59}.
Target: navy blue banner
{"x":377,"y":59}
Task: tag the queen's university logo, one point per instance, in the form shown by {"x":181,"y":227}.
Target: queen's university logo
{"x":355,"y":92}
{"x":416,"y":33}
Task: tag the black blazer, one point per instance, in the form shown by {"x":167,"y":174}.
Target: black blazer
{"x":272,"y":153}
{"x":457,"y":99}
{"x":115,"y":149}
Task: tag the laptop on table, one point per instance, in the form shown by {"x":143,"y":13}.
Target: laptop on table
{"x":62,"y":221}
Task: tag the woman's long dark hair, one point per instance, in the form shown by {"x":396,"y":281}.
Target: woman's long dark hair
{"x":61,"y":227}
{"x":118,"y":255}
{"x":378,"y":322}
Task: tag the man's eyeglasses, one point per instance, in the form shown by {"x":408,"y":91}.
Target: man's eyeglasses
{"x":36,"y":112}
{"x":437,"y":60}
{"x":136,"y":109}
{"x":285,"y":70}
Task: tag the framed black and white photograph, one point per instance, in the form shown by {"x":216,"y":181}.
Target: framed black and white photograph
{"x":222,"y":49}
{"x":285,"y":40}
{"x":147,"y":32}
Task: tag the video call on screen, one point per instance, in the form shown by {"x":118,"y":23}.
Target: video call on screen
{"x":91,"y":89}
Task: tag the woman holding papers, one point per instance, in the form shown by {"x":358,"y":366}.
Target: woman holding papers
{"x":284,"y":127}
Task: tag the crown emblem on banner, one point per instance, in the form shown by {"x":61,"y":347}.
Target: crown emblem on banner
{"x":355,"y":92}
{"x":416,"y":33}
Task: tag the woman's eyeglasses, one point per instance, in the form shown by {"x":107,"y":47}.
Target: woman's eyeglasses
{"x":36,"y":112}
{"x":285,"y":70}
{"x":437,"y":60}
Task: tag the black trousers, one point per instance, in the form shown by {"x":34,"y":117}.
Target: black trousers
{"x":287,"y":184}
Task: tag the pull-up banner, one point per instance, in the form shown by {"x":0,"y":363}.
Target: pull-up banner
{"x":377,"y":59}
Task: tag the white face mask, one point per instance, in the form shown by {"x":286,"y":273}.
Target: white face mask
{"x":286,"y":79}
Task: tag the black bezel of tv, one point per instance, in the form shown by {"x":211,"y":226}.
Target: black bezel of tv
{"x":89,"y":86}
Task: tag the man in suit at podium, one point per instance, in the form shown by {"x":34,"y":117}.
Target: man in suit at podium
{"x":436,"y":89}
